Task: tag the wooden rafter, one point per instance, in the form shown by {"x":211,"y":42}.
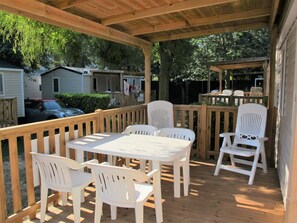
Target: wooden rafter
{"x":52,"y":15}
{"x":237,"y":28}
{"x":65,"y":4}
{"x":165,"y":9}
{"x":255,"y":13}
{"x":274,"y":8}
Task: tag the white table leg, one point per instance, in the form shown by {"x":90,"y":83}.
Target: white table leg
{"x":79,"y":156}
{"x":176,"y":175}
{"x":158,"y":195}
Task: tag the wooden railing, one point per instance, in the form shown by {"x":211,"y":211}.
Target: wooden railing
{"x":218,"y":99}
{"x":8,"y":112}
{"x":51,"y":136}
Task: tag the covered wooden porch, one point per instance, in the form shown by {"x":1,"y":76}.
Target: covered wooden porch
{"x":226,"y":198}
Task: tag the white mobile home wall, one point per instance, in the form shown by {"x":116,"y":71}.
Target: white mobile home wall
{"x":32,"y":83}
{"x":69,"y":81}
{"x":14,"y":87}
{"x":286,"y":72}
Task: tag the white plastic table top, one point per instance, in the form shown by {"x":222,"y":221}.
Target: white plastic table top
{"x":131,"y":146}
{"x":145,"y":147}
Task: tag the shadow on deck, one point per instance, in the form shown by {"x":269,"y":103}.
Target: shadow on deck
{"x":225,"y":198}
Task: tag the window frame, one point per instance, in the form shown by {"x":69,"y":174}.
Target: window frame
{"x":58,"y":79}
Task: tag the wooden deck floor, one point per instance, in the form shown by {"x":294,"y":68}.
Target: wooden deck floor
{"x":225,"y":198}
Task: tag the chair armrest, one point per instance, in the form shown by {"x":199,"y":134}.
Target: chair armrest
{"x":227,"y":134}
{"x":262,"y":139}
{"x":152,"y":173}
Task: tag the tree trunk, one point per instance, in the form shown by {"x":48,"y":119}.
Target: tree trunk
{"x":164,"y":72}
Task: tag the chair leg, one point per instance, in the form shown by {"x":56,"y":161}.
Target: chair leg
{"x":139,"y":213}
{"x":76,"y":198}
{"x":64,"y":198}
{"x":186,"y":176}
{"x":113,"y":211}
{"x":98,"y":209}
{"x":44,"y":191}
{"x":254,"y":168}
{"x":219,"y":163}
{"x":264,"y":162}
{"x":142,"y":165}
{"x":127,"y":161}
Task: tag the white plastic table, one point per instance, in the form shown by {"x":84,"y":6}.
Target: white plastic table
{"x":144,"y":147}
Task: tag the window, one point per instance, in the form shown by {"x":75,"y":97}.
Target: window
{"x":56,"y":85}
{"x":1,"y":85}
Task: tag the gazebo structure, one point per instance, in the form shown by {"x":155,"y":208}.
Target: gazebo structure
{"x":141,"y":23}
{"x":257,"y":62}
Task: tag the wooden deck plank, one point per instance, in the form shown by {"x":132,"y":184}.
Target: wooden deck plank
{"x":225,"y":198}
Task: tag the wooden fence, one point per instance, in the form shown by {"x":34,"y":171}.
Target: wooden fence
{"x":231,"y":100}
{"x":50,"y":137}
{"x":8,"y":112}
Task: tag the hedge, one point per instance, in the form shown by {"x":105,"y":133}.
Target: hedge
{"x":86,"y":102}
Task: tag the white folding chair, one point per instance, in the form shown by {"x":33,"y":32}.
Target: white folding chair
{"x":186,"y":134}
{"x":250,"y":131}
{"x":123,"y":187}
{"x":61,"y":174}
{"x":160,"y":114}
{"x":140,"y":130}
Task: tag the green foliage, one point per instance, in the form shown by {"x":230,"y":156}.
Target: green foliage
{"x":86,"y":102}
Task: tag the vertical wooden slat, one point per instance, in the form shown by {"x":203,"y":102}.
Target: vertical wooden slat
{"x":51,"y":134}
{"x":191,"y":119}
{"x":15,"y":176}
{"x":217,"y":133}
{"x":3,"y":208}
{"x":226,"y":121}
{"x":202,"y":130}
{"x":62,"y":141}
{"x":182,"y":118}
{"x":29,"y":173}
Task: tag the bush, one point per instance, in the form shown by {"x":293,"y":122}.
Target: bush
{"x":86,"y":102}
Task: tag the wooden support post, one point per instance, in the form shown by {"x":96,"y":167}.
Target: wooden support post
{"x":271,"y":118}
{"x":147,"y":66}
{"x":220,"y":82}
{"x":208,"y":81}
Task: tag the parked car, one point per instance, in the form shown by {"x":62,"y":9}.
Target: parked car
{"x":40,"y":110}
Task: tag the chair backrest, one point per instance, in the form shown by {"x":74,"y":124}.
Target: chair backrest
{"x":251,"y":124}
{"x":238,"y":93}
{"x":141,"y":129}
{"x":227,"y":92}
{"x":177,"y":133}
{"x":160,"y":114}
{"x":115,"y":185}
{"x":54,"y":171}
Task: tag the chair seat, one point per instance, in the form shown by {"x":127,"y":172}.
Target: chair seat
{"x":143,"y":190}
{"x":236,"y":150}
{"x":79,"y":178}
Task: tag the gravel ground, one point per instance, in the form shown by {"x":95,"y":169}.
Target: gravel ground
{"x":7,"y":178}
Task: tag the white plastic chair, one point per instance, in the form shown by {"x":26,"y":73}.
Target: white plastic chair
{"x":64,"y":175}
{"x":238,"y":93}
{"x":123,"y":187}
{"x":140,"y":130}
{"x":160,"y":114}
{"x":227,"y":92}
{"x":186,"y":134}
{"x":250,"y":131}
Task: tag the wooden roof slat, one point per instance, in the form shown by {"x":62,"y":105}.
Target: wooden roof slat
{"x":52,"y":15}
{"x":65,"y":4}
{"x":255,"y":13}
{"x":185,"y":35}
{"x":165,"y":9}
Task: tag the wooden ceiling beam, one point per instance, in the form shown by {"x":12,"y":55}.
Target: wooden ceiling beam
{"x":250,"y":14}
{"x":65,"y":4}
{"x":51,"y":15}
{"x":237,"y":28}
{"x":165,"y":9}
{"x":216,"y":69}
{"x":274,"y":10}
